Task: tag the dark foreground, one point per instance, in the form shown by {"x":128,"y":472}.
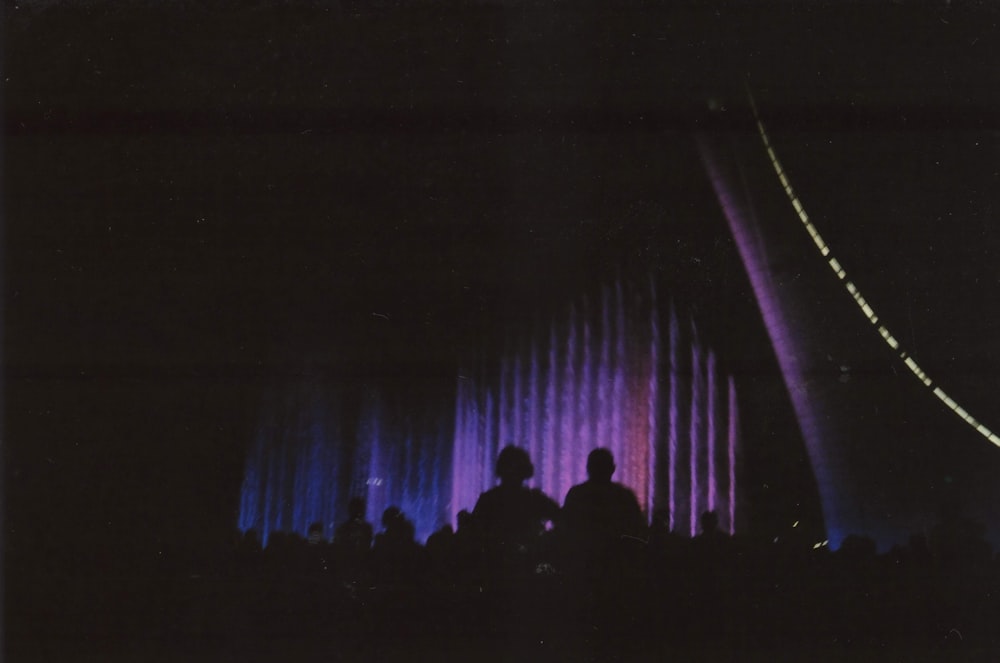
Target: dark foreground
{"x":679,"y":602}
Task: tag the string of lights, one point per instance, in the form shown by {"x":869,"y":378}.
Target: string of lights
{"x":855,"y":294}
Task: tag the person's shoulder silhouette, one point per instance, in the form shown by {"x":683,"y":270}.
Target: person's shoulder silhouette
{"x":600,"y":510}
{"x":355,"y":534}
{"x":396,"y":555}
{"x":512,"y":513}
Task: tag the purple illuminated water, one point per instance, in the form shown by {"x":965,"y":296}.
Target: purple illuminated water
{"x":776,"y":301}
{"x":696,"y":437}
{"x":601,"y":374}
{"x":653,"y":401}
{"x":673,"y":416}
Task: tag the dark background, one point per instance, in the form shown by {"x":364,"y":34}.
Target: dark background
{"x":201,"y":202}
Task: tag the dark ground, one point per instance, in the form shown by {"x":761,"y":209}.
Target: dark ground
{"x":743,"y":602}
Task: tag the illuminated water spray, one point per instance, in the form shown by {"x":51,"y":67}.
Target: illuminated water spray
{"x":401,"y":459}
{"x":306,"y":462}
{"x":777,"y":313}
{"x":603,"y":374}
{"x":291,"y":477}
{"x":600,"y":376}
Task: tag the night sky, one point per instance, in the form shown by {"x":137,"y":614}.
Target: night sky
{"x":200,"y":205}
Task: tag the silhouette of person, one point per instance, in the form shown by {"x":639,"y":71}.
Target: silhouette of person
{"x":710,"y":526}
{"x":440,"y":544}
{"x":355,"y":535}
{"x":512,"y":514}
{"x":397,"y":529}
{"x":467,"y":548}
{"x":316,"y":555}
{"x":599,"y":514}
{"x":352,"y":541}
{"x":396,"y":555}
{"x":711,"y":546}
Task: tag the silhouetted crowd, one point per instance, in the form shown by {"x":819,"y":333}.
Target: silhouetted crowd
{"x":522,"y":566}
{"x":520,"y":575}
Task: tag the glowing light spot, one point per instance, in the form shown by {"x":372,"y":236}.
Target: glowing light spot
{"x":856,"y":294}
{"x":889,"y":338}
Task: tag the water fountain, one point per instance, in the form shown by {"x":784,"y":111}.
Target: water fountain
{"x":599,"y":377}
{"x":292,"y":468}
{"x":600,"y":374}
{"x":312,"y":454}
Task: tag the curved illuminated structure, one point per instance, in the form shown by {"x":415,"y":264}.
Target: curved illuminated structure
{"x":782,"y":308}
{"x":859,"y":299}
{"x":776,"y":304}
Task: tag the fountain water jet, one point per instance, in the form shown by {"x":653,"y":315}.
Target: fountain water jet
{"x":600,"y":384}
{"x":600,"y":375}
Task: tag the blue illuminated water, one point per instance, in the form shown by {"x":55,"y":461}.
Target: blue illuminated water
{"x":599,"y":373}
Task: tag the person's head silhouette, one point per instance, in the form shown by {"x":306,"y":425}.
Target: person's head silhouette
{"x":356,"y":508}
{"x":600,"y":465}
{"x":514,"y":465}
{"x":391,"y":517}
{"x":709,"y":523}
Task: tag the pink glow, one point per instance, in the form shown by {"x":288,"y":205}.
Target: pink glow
{"x":620,"y":398}
{"x":695,"y":435}
{"x":585,"y":395}
{"x":772,"y":301}
{"x":534,"y":413}
{"x":598,"y":385}
{"x":522,"y":421}
{"x":604,"y":375}
{"x":675,"y":406}
{"x":652,"y":430}
{"x":711,"y":439}
{"x":551,"y":413}
{"x":567,"y":408}
{"x":506,"y":413}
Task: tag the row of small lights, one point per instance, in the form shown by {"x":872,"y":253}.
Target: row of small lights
{"x":862,"y":303}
